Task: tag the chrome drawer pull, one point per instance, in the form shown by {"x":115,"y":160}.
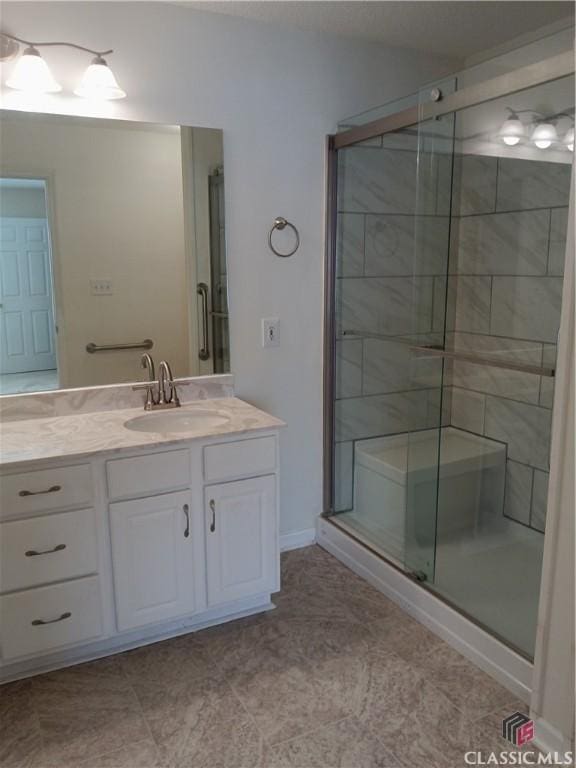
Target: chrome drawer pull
{"x":213,"y":510}
{"x":186,"y":509}
{"x":41,"y":622}
{"x":35,"y":553}
{"x":52,"y":489}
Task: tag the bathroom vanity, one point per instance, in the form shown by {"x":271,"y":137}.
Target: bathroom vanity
{"x":116,"y":531}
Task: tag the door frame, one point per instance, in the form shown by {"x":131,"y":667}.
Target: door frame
{"x":55,"y":271}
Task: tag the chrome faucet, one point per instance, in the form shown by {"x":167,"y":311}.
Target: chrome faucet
{"x":166,"y":395}
{"x":147,"y":362}
{"x":168,"y":399}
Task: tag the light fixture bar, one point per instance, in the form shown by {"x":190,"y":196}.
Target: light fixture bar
{"x":33,"y":44}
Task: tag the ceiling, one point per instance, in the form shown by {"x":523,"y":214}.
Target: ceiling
{"x":458,"y":29}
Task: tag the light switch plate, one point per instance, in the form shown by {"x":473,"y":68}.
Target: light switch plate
{"x":270,"y":332}
{"x":101,"y":287}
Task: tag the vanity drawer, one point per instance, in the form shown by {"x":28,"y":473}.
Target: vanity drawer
{"x":147,"y":475}
{"x":45,"y":489}
{"x":49,"y":548}
{"x":39,"y":620}
{"x":244,"y":458}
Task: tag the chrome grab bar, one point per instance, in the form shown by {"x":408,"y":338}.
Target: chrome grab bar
{"x":537,"y":370}
{"x":91,"y":347}
{"x":204,"y":351}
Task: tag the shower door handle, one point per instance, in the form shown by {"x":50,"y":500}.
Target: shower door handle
{"x":204,"y":351}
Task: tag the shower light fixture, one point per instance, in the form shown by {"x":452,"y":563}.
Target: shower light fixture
{"x":544,"y":135}
{"x":512,"y":129}
{"x":32,"y":75}
{"x":569,"y":139}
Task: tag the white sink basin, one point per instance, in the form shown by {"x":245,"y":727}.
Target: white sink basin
{"x":179,"y":420}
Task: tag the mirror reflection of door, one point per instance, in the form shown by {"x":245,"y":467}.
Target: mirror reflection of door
{"x":28,"y":359}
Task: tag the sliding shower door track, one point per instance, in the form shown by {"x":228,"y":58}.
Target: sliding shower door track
{"x":520,"y":79}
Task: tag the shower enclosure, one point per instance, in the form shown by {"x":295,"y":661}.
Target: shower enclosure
{"x":446,"y":241}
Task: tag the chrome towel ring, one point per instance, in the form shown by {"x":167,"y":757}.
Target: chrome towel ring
{"x":281,"y":223}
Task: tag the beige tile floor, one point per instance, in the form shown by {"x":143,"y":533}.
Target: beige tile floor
{"x":337,"y":675}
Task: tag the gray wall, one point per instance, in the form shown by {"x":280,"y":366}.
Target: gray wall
{"x":505,"y":294}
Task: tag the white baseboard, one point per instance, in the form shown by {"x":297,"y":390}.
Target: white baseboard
{"x":493,"y":657}
{"x":297,"y":539}
{"x":549,"y":739}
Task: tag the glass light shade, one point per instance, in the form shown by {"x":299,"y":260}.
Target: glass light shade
{"x":569,"y":139}
{"x":512,"y":131}
{"x":543,"y":135}
{"x":32,"y":75}
{"x":99,"y":82}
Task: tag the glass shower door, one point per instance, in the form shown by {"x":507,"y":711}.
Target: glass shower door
{"x":392,"y":263}
{"x":451,"y":239}
{"x":430,"y":259}
{"x":509,"y":222}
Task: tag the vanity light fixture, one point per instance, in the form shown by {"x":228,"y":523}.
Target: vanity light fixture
{"x":512,"y":129}
{"x":32,"y":75}
{"x":544,"y":132}
{"x":99,"y":82}
{"x":544,"y":135}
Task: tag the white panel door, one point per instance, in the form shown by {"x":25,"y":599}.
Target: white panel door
{"x":26,"y":314}
{"x":152,"y":559}
{"x":241,"y":539}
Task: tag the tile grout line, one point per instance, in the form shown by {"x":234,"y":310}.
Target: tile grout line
{"x":32,"y":704}
{"x":310,"y":732}
{"x":140,"y":709}
{"x":549,"y":241}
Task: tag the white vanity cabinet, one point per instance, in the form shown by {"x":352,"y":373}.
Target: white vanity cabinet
{"x":113,"y":552}
{"x":241,"y":550}
{"x":152,"y":558}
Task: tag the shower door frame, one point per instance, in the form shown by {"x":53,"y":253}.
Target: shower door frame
{"x":521,"y":79}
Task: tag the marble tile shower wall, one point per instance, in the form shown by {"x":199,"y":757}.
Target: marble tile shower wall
{"x":392,"y":246}
{"x":504,"y":296}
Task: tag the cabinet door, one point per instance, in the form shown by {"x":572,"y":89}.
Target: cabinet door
{"x":152,"y":558}
{"x":241,"y":539}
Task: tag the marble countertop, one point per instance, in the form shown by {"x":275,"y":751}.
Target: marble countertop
{"x":103,"y":432}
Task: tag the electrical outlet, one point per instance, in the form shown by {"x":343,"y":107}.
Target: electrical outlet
{"x":270,"y":332}
{"x":101,"y":287}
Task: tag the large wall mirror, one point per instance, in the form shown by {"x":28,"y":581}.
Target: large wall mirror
{"x":111,"y":244}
